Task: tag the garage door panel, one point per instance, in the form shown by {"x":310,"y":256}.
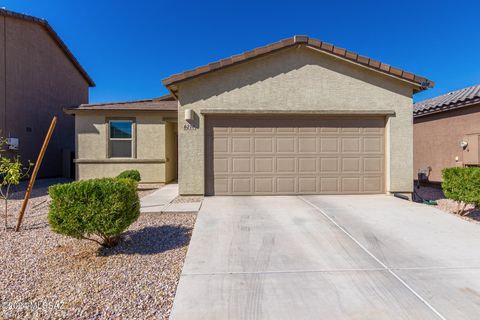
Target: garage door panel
{"x":329,"y":144}
{"x":330,"y":130}
{"x":373,"y":130}
{"x":283,"y":130}
{"x":307,"y":144}
{"x":286,"y":165}
{"x":351,"y":184}
{"x":329,"y":185}
{"x":221,"y":165}
{"x":221,"y":144}
{"x":351,"y":144}
{"x":241,"y":130}
{"x":329,"y":165}
{"x":249,"y":156}
{"x":221,"y":186}
{"x":264,"y":130}
{"x":307,"y":185}
{"x":286,"y":185}
{"x":373,"y":184}
{"x":240,"y":144}
{"x":264,"y":144}
{"x":264,"y":165}
{"x":351,"y":130}
{"x":307,"y":165}
{"x":373,"y":165}
{"x":308,"y":130}
{"x":264,"y":185}
{"x":241,"y":165}
{"x":241,"y":185}
{"x":286,"y":144}
{"x":373,"y":144}
{"x":351,"y":165}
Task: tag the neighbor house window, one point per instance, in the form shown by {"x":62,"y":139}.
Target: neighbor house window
{"x":121,"y":138}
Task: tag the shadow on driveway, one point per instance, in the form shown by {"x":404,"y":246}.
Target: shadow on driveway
{"x":150,"y":240}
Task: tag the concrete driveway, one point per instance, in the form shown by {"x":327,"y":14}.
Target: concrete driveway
{"x":329,"y":257}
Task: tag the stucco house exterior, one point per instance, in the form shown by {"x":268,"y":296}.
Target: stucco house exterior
{"x":112,"y":137}
{"x":446,"y":131}
{"x":39,"y":76}
{"x":299,"y":116}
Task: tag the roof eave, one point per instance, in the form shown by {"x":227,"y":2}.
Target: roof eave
{"x":55,"y":37}
{"x":446,"y":108}
{"x":419,"y":82}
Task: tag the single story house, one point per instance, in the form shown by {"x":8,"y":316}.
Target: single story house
{"x":112,"y":137}
{"x":299,"y":116}
{"x":446,"y":131}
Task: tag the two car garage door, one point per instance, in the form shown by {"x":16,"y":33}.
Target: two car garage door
{"x":294,"y":155}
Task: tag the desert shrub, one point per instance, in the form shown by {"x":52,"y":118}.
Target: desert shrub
{"x":130,"y":174}
{"x":462,"y":185}
{"x":102,"y":208}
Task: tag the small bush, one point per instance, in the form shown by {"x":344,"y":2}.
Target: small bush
{"x":130,"y":174}
{"x":462,"y":185}
{"x":100,"y":207}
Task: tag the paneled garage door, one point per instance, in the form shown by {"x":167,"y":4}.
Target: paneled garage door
{"x":294,"y":155}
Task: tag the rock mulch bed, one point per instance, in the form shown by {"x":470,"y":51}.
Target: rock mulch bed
{"x":45,"y":275}
{"x":434,"y":192}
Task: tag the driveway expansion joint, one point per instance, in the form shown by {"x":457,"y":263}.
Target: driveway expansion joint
{"x":385,"y":267}
{"x":285,"y":271}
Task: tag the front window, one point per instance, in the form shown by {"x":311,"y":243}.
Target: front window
{"x":121,"y":138}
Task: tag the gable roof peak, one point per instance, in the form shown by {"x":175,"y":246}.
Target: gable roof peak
{"x":421,"y":82}
{"x":44,"y":23}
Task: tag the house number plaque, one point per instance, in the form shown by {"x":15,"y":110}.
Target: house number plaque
{"x":189,"y":127}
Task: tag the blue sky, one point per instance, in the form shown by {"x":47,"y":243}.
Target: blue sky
{"x":127,"y":47}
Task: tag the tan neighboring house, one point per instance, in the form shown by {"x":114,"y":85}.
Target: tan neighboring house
{"x":299,"y":116}
{"x":39,"y":76}
{"x":446,"y":131}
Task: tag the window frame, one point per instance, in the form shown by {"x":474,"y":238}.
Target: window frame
{"x":133,"y":139}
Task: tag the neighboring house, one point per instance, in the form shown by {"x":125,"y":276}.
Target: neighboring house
{"x":299,"y":116}
{"x":446,"y":131}
{"x":39,"y":76}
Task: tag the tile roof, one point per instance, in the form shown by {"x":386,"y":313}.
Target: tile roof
{"x":164,"y":103}
{"x":54,"y":35}
{"x":452,"y":100}
{"x":422,"y":82}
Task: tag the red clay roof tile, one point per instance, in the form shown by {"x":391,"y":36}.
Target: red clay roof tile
{"x":422,"y":82}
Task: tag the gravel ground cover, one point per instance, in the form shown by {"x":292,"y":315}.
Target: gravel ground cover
{"x":434,"y":192}
{"x":50,"y":276}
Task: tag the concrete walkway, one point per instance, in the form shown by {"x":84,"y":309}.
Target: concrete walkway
{"x":156,"y":201}
{"x":329,"y":257}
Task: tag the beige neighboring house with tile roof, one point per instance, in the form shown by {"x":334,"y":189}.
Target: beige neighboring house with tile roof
{"x":39,"y":76}
{"x":446,"y":131}
{"x":299,"y":116}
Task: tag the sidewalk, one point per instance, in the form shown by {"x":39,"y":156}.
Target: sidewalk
{"x":158,"y":200}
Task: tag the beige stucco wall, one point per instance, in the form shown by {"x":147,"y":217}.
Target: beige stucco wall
{"x":37,"y":81}
{"x":292,"y":80}
{"x":92,"y":145}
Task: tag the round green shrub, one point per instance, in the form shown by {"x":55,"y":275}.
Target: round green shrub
{"x":130,"y":174}
{"x":103,"y":208}
{"x":462,"y":184}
